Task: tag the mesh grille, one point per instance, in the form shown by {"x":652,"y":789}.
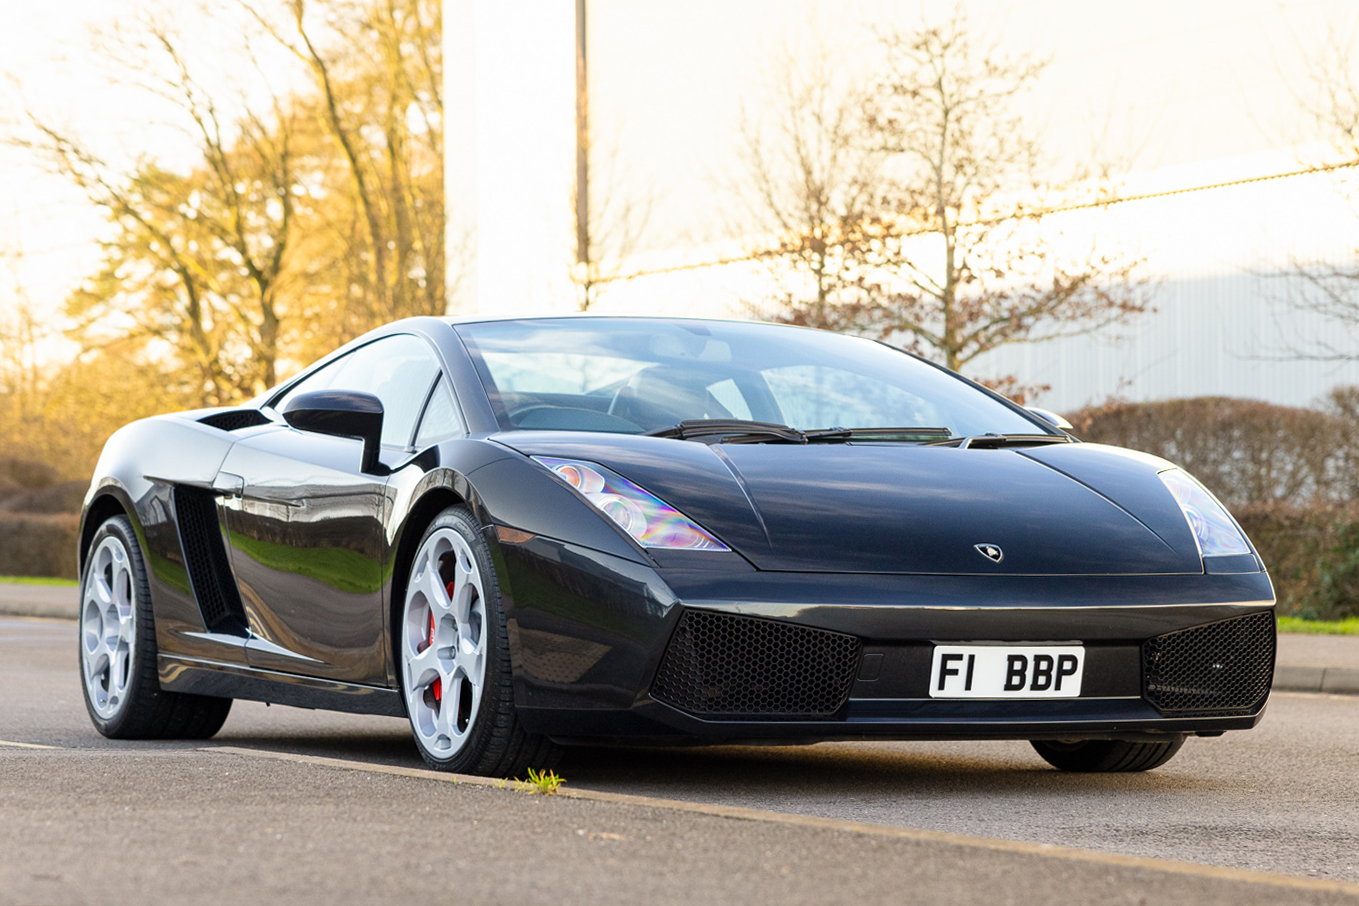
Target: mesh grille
{"x":235,"y":420}
{"x":205,"y":557}
{"x":722,"y":664}
{"x":1224,"y":666}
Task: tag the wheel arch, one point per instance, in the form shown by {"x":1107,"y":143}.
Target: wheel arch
{"x":109,"y":501}
{"x":436,"y":492}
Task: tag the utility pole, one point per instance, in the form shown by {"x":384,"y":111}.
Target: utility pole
{"x":584,"y":265}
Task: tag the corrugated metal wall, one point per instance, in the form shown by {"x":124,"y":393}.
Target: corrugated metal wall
{"x":1222,"y":265}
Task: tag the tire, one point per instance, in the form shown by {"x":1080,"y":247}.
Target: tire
{"x":1101,"y":756}
{"x":454,"y":658}
{"x":118,"y":649}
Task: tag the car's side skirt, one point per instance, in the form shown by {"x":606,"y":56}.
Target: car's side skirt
{"x":179,"y":674}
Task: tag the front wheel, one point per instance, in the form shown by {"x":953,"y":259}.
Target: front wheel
{"x":118,"y":649}
{"x":1106,"y":755}
{"x":455,"y":660}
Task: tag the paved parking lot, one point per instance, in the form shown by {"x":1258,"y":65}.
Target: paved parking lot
{"x":169,"y":822}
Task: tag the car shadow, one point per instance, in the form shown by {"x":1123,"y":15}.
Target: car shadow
{"x":893,"y":770}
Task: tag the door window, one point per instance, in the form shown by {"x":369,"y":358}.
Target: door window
{"x":441,"y":419}
{"x":398,"y":371}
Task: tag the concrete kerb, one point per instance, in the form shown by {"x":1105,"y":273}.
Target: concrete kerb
{"x":1325,"y":664}
{"x":60,"y":602}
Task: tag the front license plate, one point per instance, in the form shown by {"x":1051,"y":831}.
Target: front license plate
{"x":1007,"y":671}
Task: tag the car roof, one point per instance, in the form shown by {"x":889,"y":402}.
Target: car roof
{"x":593,"y":315}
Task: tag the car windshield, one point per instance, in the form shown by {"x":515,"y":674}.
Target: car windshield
{"x":636,"y":376}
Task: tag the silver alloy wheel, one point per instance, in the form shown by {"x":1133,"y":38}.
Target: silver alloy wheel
{"x":443,"y":643}
{"x":108,"y":627}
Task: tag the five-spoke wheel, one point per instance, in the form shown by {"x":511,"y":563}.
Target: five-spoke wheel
{"x":108,"y":638}
{"x":443,"y":642}
{"x":118,"y":648}
{"x":454,"y":660}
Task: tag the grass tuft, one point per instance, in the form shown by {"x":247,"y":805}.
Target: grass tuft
{"x":545,"y":782}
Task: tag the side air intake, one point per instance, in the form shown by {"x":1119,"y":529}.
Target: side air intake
{"x":235,"y":419}
{"x":1211,"y":669}
{"x":730,"y":666}
{"x":205,"y":557}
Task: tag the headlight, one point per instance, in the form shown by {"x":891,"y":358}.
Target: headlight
{"x":1213,"y":528}
{"x":643,"y":515}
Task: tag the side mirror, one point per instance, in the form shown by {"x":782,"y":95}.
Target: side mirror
{"x":340,"y":413}
{"x":1051,"y":417}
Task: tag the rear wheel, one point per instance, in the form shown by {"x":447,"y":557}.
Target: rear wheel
{"x":455,"y":660}
{"x":118,"y":649}
{"x":1106,"y":755}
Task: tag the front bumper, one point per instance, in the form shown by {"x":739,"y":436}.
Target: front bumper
{"x":589,"y":631}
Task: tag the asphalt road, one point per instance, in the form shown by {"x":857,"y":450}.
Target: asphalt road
{"x":94,"y":820}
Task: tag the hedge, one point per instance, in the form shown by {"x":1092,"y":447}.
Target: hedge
{"x":1290,"y":475}
{"x":38,"y":545}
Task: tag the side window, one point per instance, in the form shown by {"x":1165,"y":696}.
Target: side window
{"x":441,"y":419}
{"x":398,"y":371}
{"x":317,"y":380}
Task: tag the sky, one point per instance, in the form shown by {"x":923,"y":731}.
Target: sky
{"x":1170,"y":84}
{"x":1197,"y":89}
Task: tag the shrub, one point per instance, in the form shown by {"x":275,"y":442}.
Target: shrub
{"x":1290,"y":476}
{"x":1247,"y":452}
{"x":32,"y":545}
{"x":25,"y":475}
{"x":63,"y":497}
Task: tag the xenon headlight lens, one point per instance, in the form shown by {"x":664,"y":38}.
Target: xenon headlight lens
{"x":1213,"y":527}
{"x":649,"y":520}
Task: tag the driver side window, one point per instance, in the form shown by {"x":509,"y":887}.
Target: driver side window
{"x":398,"y":371}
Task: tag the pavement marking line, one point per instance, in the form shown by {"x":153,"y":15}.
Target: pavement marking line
{"x":25,"y":745}
{"x":1020,"y":847}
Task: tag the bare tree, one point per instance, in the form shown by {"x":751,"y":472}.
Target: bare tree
{"x":377,"y":71}
{"x":812,"y":190}
{"x":1330,"y":100}
{"x":614,"y":224}
{"x":199,"y":256}
{"x":21,"y":332}
{"x":917,"y":210}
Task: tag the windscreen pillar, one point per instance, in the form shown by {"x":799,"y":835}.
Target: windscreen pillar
{"x":510,"y":154}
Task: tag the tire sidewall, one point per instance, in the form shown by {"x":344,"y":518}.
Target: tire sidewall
{"x":495,"y":706}
{"x":142,"y":683}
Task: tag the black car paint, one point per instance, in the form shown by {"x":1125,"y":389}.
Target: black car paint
{"x":589,"y":612}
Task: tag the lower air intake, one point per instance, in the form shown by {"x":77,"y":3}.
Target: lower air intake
{"x":723,"y":665}
{"x":1220,"y":667}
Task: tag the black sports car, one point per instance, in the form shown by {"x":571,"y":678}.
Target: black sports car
{"x":525,"y":533}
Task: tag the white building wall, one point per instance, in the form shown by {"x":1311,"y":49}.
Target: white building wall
{"x":1221,"y":265}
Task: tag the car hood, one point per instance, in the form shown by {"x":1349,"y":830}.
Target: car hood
{"x":1069,"y":509}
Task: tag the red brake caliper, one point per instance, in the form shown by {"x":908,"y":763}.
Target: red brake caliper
{"x":438,"y":686}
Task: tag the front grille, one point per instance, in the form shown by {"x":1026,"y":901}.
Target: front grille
{"x":726,"y":665}
{"x":205,"y":558}
{"x":1216,"y":668}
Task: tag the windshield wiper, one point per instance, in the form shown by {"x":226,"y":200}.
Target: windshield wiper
{"x":995,"y":441}
{"x":741,"y":431}
{"x":732,"y":430}
{"x":908,"y":434}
